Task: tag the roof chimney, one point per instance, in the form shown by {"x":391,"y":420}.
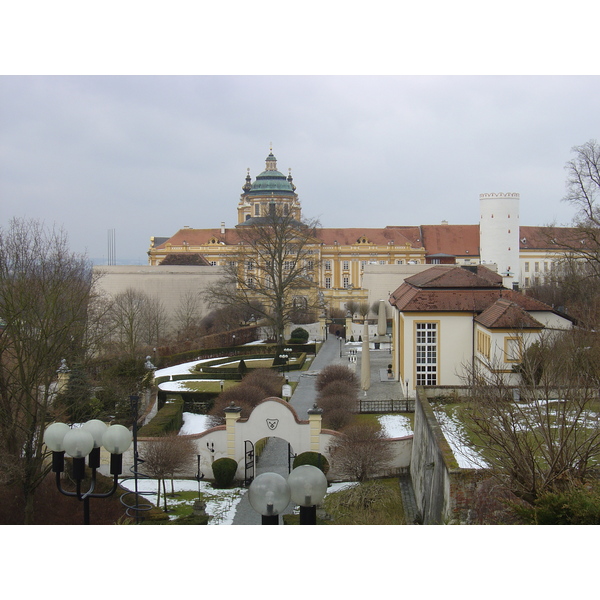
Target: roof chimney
{"x":222,"y":227}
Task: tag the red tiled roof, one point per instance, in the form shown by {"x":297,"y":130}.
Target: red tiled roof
{"x":457,"y":289}
{"x":504,"y":314}
{"x":458,"y":277}
{"x":463,"y":240}
{"x":456,"y":300}
{"x":400,"y":236}
{"x":538,"y":238}
{"x":458,"y":240}
{"x":201,"y":237}
{"x":454,"y":240}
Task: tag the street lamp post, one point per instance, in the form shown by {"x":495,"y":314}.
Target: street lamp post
{"x":83,"y":442}
{"x":270,"y":494}
{"x":308,"y":486}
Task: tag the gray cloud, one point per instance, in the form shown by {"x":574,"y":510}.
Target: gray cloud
{"x":148,"y":155}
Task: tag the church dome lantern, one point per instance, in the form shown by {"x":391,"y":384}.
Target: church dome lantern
{"x":271,"y":180}
{"x":270,"y":188}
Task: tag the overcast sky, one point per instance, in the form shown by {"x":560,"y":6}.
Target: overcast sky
{"x":147,"y":155}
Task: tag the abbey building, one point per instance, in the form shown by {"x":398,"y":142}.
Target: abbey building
{"x":521,"y":255}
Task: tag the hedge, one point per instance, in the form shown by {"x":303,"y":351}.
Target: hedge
{"x":168,"y":418}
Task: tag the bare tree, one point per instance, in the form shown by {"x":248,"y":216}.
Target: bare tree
{"x":548,"y":436}
{"x":274,"y":271}
{"x":165,"y":457}
{"x":154,"y":321}
{"x":360,"y":452}
{"x":45,"y":293}
{"x":583,"y":193}
{"x":187,"y":314}
{"x":138,"y":321}
{"x":364,"y":309}
{"x":353,"y":307}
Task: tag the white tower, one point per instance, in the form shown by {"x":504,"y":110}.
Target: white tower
{"x":499,"y":234}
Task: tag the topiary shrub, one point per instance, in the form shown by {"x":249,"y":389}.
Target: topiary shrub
{"x":312,"y":458}
{"x":336,"y":373}
{"x":224,"y":470}
{"x":299,"y":335}
{"x":168,"y":418}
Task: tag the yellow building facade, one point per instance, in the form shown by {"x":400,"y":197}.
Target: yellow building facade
{"x":340,"y":255}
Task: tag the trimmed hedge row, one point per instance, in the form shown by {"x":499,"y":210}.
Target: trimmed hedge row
{"x":168,"y":418}
{"x":199,"y":353}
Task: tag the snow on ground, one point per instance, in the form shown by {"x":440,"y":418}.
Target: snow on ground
{"x":395,"y":426}
{"x":181,"y":385}
{"x":221,"y":505}
{"x":193,"y":423}
{"x":183,"y":368}
{"x":466,"y":457}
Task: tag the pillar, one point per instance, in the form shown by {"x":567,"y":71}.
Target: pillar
{"x":232,"y":414}
{"x":314,"y":421}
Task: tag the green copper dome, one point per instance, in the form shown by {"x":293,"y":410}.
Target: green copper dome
{"x":271,"y":181}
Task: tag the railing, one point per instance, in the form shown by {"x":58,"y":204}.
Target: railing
{"x":386,"y":406}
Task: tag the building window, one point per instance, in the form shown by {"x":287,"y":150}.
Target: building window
{"x":513,"y":349}
{"x":213,"y":263}
{"x":328,"y":265}
{"x":426,"y":353}
{"x":346,"y":265}
{"x":346,"y":282}
{"x":327,"y":283}
{"x":526,"y":267}
{"x":399,"y":262}
{"x":484,"y":343}
{"x":526,"y":282}
{"x":362,"y":264}
{"x":250,"y":265}
{"x":257,"y":210}
{"x":537,"y":267}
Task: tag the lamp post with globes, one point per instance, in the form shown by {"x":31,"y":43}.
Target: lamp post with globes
{"x":308,"y":486}
{"x":270,"y":494}
{"x":83,"y":442}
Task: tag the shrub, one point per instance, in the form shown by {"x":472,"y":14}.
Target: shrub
{"x":360,"y":452}
{"x":224,"y":470}
{"x":299,"y":334}
{"x":337,"y":418}
{"x":265,"y":379}
{"x":312,"y":458}
{"x":242,"y":368}
{"x":336,"y":373}
{"x":338,"y":402}
{"x":576,"y":506}
{"x":244,"y":396}
{"x":168,"y":418}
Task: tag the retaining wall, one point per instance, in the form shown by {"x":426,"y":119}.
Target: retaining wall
{"x":443,"y":490}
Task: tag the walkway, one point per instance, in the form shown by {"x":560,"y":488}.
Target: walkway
{"x":274,"y":457}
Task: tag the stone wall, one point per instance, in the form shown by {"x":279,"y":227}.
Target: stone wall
{"x":443,"y":491}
